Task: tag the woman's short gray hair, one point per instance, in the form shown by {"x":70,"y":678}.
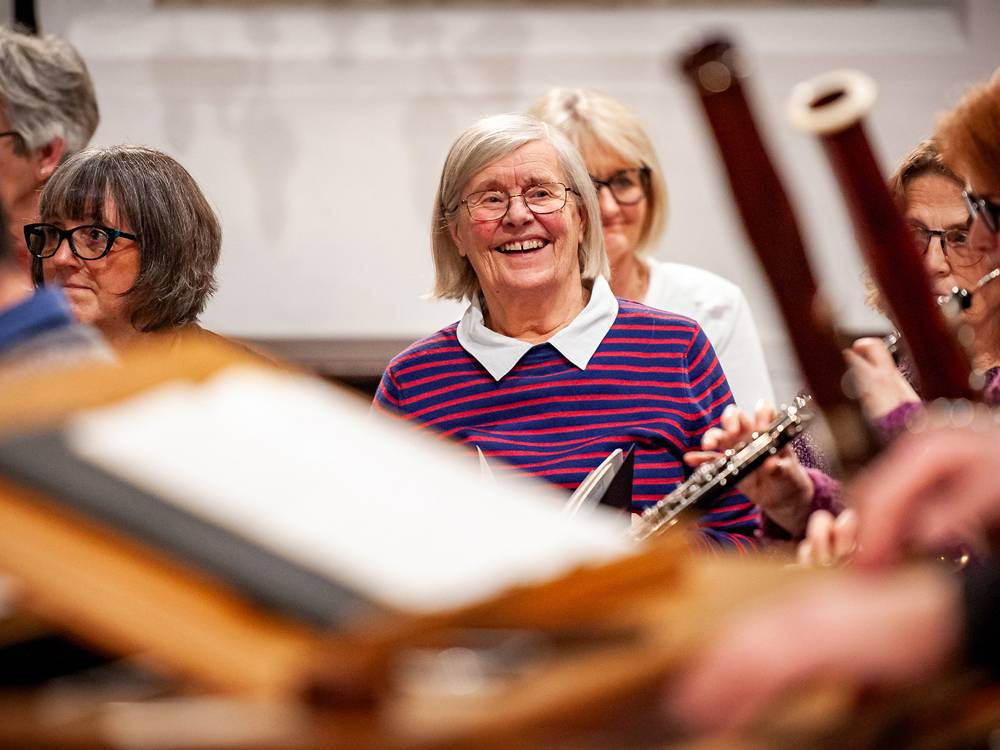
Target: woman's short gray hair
{"x":485,"y":142}
{"x":46,"y":91}
{"x":179,"y":237}
{"x":592,"y":120}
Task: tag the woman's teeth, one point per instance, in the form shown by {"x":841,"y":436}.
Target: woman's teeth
{"x":522,"y":247}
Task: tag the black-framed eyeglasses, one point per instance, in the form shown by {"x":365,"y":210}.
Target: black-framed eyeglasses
{"x":984,"y":208}
{"x":627,"y":187}
{"x":86,"y":242}
{"x":490,"y":205}
{"x":12,"y":134}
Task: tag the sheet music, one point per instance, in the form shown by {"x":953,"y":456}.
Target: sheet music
{"x":306,"y":471}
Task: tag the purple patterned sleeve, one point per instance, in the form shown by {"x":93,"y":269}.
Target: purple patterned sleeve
{"x":827,"y":492}
{"x":891,"y":424}
{"x":992,"y":393}
{"x":826,"y":496}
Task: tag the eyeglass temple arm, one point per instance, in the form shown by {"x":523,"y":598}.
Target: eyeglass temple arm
{"x":37,"y":277}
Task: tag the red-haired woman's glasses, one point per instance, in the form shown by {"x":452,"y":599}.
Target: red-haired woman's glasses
{"x":984,"y":208}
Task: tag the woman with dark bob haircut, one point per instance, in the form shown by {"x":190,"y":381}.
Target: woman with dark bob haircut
{"x":129,"y":236}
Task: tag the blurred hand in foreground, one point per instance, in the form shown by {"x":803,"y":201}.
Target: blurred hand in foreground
{"x":933,"y":490}
{"x":848,"y":629}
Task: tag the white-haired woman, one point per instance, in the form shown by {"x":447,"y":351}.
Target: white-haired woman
{"x":547,"y":370}
{"x":633,"y":200}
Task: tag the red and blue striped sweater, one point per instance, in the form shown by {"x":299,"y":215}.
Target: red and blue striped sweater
{"x":654,"y":381}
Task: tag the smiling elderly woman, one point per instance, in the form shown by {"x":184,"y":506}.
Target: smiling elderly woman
{"x":128,"y":235}
{"x":547,"y":370}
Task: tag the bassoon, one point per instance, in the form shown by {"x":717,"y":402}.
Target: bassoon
{"x":771,"y":225}
{"x":832,"y":106}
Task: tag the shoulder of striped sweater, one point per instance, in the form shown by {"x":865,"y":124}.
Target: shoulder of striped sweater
{"x":633,"y":312}
{"x":427,"y":346}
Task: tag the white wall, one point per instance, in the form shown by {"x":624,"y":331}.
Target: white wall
{"x":318,"y":133}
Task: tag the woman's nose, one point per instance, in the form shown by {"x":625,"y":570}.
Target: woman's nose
{"x":64,"y":255}
{"x":935,"y":258}
{"x":518,"y":211}
{"x":609,"y":206}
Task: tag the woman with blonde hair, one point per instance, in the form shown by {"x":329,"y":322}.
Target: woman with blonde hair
{"x":633,"y":200}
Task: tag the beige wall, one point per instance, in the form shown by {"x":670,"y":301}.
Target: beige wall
{"x":318,"y":132}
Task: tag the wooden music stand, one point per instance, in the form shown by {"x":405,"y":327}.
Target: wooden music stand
{"x":605,"y":636}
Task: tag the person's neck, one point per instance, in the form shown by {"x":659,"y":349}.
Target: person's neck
{"x":534,"y":316}
{"x":119,"y":336}
{"x":987,"y":345}
{"x":630,"y":277}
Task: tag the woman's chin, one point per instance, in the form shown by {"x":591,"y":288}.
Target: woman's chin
{"x":618,"y":248}
{"x":529,"y":281}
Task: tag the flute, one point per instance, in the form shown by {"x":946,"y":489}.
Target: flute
{"x":711,"y":479}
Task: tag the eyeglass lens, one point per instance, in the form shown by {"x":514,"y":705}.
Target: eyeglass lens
{"x":954,"y":243}
{"x":626,"y":186}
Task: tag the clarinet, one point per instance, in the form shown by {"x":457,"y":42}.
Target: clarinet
{"x":713,"y":478}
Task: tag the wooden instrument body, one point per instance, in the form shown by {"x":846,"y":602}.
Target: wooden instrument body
{"x":832,"y":107}
{"x":771,"y":225}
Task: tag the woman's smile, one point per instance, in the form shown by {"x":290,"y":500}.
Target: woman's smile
{"x":521,"y":246}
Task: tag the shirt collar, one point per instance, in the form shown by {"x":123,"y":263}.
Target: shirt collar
{"x":577,"y":342}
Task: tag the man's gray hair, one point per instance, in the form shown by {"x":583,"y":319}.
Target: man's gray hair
{"x":46,"y":91}
{"x":485,"y":142}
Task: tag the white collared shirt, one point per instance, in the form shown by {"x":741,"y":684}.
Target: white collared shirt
{"x":724,"y":315}
{"x":577,"y":342}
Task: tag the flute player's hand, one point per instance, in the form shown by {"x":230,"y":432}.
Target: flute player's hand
{"x":880,"y":385}
{"x":780,"y":487}
{"x":830,"y":540}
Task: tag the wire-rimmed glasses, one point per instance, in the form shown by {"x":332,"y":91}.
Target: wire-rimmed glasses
{"x":86,"y":242}
{"x":490,"y":205}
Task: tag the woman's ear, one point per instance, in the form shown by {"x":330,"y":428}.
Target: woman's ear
{"x":48,"y":157}
{"x":453,"y":231}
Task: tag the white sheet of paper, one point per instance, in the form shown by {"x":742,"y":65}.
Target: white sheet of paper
{"x":306,"y":471}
